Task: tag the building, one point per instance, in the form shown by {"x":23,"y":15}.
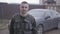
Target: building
{"x":51,"y":4}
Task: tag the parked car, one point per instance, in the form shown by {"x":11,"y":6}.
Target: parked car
{"x":45,"y":19}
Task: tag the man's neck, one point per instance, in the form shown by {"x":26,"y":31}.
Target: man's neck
{"x":23,"y":14}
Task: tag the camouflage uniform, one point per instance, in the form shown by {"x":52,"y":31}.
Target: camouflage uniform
{"x":22,"y":25}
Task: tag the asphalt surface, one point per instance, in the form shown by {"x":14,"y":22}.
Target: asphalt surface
{"x":55,"y":31}
{"x":4,"y":31}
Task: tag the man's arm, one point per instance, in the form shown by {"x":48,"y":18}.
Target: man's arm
{"x":34,"y":26}
{"x":11,"y":30}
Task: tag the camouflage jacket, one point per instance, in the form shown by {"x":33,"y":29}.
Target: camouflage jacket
{"x":22,"y":25}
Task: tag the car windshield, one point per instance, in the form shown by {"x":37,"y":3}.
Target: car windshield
{"x":36,"y":13}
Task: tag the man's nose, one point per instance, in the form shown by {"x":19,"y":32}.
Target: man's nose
{"x":24,"y":8}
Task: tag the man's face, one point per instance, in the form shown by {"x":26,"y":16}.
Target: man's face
{"x":24,"y":8}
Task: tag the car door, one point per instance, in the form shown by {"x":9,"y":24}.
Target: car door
{"x":51,"y":22}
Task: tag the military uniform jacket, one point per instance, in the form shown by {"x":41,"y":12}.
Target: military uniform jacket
{"x":22,"y":25}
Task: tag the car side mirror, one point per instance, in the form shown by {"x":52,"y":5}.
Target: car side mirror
{"x":47,"y":17}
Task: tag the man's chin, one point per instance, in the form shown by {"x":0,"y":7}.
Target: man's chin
{"x":23,"y":13}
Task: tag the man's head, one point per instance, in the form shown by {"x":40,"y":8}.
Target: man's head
{"x":24,"y":7}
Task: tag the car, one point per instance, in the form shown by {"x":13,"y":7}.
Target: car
{"x":46,"y":19}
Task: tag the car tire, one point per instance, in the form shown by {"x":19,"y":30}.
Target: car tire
{"x":59,"y":25}
{"x":40,"y":29}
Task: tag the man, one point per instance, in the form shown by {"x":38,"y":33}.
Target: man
{"x":23,"y":23}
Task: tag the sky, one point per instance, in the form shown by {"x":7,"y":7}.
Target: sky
{"x":19,"y":1}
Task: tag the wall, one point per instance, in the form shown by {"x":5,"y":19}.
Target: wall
{"x":8,"y":10}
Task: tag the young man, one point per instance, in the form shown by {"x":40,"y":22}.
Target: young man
{"x":23,"y":23}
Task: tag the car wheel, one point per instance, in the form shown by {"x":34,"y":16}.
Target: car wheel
{"x":40,"y":29}
{"x":59,"y":25}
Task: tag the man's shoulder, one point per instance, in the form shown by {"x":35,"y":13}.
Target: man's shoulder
{"x":31,"y":17}
{"x":15,"y":15}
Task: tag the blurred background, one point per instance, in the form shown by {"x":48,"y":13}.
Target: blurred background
{"x":9,"y":7}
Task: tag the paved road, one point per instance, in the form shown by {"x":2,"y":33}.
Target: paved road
{"x":55,"y":31}
{"x":4,"y":31}
{"x":48,"y":32}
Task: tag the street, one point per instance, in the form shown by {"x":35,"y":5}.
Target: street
{"x":55,"y":31}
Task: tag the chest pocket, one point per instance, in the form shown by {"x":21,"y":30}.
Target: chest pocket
{"x":17,"y":24}
{"x":28,"y":24}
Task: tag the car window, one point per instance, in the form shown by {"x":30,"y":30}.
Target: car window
{"x":36,"y":13}
{"x":52,"y":14}
{"x":44,"y":14}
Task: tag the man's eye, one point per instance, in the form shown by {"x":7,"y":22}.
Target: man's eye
{"x":22,"y":7}
{"x":25,"y":7}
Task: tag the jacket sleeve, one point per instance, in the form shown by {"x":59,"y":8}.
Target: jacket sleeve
{"x":34,"y":26}
{"x":11,"y":30}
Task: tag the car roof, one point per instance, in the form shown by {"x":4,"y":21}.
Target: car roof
{"x":41,"y":10}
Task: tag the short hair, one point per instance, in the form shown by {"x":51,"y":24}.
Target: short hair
{"x":24,"y":2}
